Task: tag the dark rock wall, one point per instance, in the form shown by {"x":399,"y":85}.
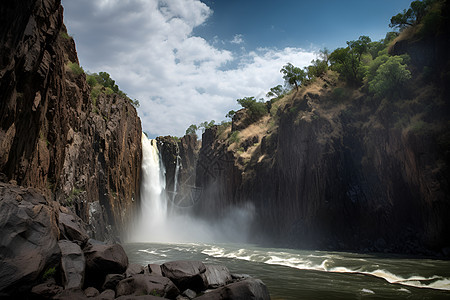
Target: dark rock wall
{"x":329,"y":179}
{"x":184,"y":153}
{"x":52,"y":135}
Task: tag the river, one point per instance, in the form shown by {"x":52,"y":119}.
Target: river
{"x":288,"y":273}
{"x":299,"y":274}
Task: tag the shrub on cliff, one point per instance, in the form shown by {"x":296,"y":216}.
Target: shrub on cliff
{"x":103,"y":83}
{"x":390,"y":78}
{"x":255,"y":109}
{"x":75,"y":68}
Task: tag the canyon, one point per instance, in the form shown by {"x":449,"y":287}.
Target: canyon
{"x":327,"y":167}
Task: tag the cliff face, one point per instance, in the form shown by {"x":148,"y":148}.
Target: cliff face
{"x":52,"y":135}
{"x":339,"y":174}
{"x":179,"y":157}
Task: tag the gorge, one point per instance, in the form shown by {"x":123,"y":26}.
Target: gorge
{"x":328,"y":167}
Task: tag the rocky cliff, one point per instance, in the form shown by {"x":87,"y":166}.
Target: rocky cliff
{"x":334,"y":167}
{"x":179,"y":157}
{"x":85,"y":154}
{"x":332,"y":174}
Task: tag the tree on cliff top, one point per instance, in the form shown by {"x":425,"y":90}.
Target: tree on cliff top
{"x":411,"y":16}
{"x":255,"y":109}
{"x":293,"y":76}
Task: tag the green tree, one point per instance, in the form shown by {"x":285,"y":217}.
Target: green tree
{"x":390,"y":78}
{"x":347,"y":61}
{"x":105,"y":79}
{"x":230,"y":114}
{"x":293,"y":76}
{"x":411,"y":16}
{"x":359,"y":47}
{"x":276,"y":92}
{"x":317,"y":69}
{"x":206,"y":125}
{"x":192,"y":130}
{"x":255,"y":109}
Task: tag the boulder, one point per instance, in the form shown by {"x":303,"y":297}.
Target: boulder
{"x":186,"y":274}
{"x":102,"y":260}
{"x":140,"y":284}
{"x":91,"y":292}
{"x":71,"y":226}
{"x":111,"y":281}
{"x":107,"y":295}
{"x":72,"y":264}
{"x":190,"y":294}
{"x":153,"y":269}
{"x":241,"y":290}
{"x":28,"y":238}
{"x":46,"y":290}
{"x":217,"y":276}
{"x":134,"y":269}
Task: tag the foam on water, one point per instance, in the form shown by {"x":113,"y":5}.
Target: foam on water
{"x":328,"y":263}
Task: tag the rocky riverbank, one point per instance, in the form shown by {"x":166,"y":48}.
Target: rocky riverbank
{"x":46,"y":253}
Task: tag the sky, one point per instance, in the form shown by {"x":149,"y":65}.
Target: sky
{"x":187,"y":61}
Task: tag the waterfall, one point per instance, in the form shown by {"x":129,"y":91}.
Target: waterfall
{"x":175,"y":181}
{"x":153,"y":215}
{"x":155,"y":224}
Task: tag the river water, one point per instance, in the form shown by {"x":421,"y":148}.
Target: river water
{"x":299,"y":274}
{"x":288,"y":273}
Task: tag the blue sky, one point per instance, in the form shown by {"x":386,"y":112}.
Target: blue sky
{"x":294,"y":23}
{"x":187,"y":61}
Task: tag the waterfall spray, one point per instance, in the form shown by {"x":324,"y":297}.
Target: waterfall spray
{"x":156,"y":224}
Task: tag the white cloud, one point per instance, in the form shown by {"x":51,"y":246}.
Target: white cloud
{"x":237,"y":39}
{"x":148,"y":48}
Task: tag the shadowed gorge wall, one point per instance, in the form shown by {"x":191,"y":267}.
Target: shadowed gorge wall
{"x":329,"y":178}
{"x":84,"y":153}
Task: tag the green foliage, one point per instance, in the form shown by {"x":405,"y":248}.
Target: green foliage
{"x":374,"y":65}
{"x":230,"y":114}
{"x":49,"y":273}
{"x":91,"y":81}
{"x":390,"y":78}
{"x":192,"y":130}
{"x":293,"y":76}
{"x":317,"y":69}
{"x":105,"y":80}
{"x":103,"y":83}
{"x":255,"y":109}
{"x":358,"y":47}
{"x":76,"y":69}
{"x":206,"y":125}
{"x":414,"y":15}
{"x":347,"y":61}
{"x":276,"y":92}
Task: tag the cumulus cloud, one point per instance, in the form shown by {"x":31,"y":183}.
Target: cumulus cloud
{"x":148,"y":48}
